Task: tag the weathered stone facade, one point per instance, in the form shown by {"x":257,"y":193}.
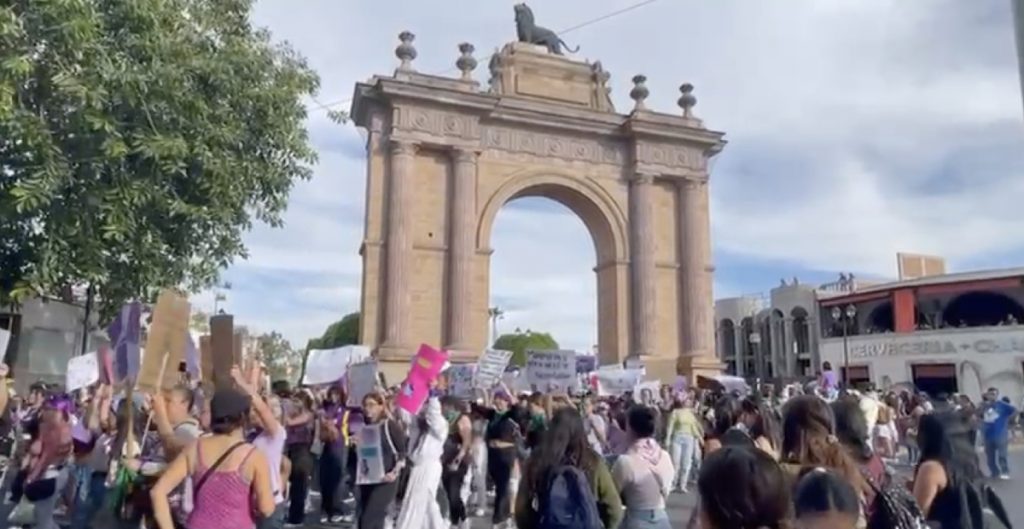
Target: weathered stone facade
{"x":445,"y":155}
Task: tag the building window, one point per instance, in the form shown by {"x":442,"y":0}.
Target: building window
{"x":801,"y":331}
{"x":727,"y":340}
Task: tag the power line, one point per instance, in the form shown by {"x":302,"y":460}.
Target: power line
{"x":328,"y":106}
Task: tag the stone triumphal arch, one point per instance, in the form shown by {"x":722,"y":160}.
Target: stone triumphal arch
{"x":445,"y":154}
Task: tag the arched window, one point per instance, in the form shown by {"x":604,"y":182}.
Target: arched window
{"x":880,"y":319}
{"x":982,"y":308}
{"x":801,"y":331}
{"x":727,"y":337}
{"x":749,"y":361}
{"x":765,"y":349}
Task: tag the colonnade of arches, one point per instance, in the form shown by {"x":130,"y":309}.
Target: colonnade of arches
{"x":770,"y":344}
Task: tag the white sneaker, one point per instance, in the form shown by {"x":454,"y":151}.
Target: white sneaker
{"x":1004,"y":477}
{"x":479,"y":513}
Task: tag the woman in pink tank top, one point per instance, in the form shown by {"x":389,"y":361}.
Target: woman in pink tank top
{"x":230,"y":478}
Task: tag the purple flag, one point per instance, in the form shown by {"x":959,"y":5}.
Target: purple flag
{"x":191,"y":355}
{"x":125,"y":335}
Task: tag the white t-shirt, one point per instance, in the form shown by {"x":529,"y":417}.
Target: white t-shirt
{"x":642,"y":485}
{"x":272,"y":447}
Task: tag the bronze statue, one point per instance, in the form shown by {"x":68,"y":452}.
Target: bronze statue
{"x":531,"y":33}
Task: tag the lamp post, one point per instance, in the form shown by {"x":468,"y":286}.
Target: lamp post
{"x":755,"y":343}
{"x":845,"y":316}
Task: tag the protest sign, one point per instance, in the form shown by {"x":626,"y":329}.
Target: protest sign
{"x":460,"y":380}
{"x":83,"y":371}
{"x":222,"y":348}
{"x":585,"y":364}
{"x":490,"y":367}
{"x":362,"y":379}
{"x":647,"y":392}
{"x":5,"y":338}
{"x":548,"y":371}
{"x":617,"y":382}
{"x":370,"y":455}
{"x":426,"y":367}
{"x":206,"y":362}
{"x":165,"y":344}
{"x":326,"y":366}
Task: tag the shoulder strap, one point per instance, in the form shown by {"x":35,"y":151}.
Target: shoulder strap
{"x":220,"y":460}
{"x":387,"y":435}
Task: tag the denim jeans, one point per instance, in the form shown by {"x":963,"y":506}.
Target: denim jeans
{"x":276,"y":520}
{"x":89,"y":500}
{"x":996,"y":455}
{"x":684,"y":448}
{"x":646,"y":519}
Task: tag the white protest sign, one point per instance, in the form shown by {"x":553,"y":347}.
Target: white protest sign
{"x":548,"y":371}
{"x":83,"y":371}
{"x":362,"y":379}
{"x":460,"y":380}
{"x":5,"y":338}
{"x":370,"y":456}
{"x":615,"y":382}
{"x":647,"y":392}
{"x":490,"y":367}
{"x":325,"y":366}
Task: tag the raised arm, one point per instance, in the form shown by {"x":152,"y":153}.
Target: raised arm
{"x":260,"y":406}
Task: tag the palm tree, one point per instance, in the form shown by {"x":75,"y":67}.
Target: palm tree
{"x":495,"y":314}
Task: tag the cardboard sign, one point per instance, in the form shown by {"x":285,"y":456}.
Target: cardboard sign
{"x":647,"y":392}
{"x":5,"y":338}
{"x":362,"y":379}
{"x":490,"y":367}
{"x":206,"y":361}
{"x":548,"y":371}
{"x":370,"y":455}
{"x":222,"y":348}
{"x":327,"y":366}
{"x":165,"y":344}
{"x":83,"y":371}
{"x":613,"y":383}
{"x":461,"y":380}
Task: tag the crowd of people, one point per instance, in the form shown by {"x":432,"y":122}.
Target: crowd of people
{"x":249,"y":456}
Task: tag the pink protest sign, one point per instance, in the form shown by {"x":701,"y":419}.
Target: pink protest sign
{"x":426,"y":367}
{"x":428,"y":363}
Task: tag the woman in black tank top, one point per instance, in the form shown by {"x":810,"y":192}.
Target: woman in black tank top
{"x":456,"y":458}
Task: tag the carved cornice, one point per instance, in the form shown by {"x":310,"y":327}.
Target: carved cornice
{"x":553,"y":145}
{"x":403,"y":147}
{"x":669,"y":156}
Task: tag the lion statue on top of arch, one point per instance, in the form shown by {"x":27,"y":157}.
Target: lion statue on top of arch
{"x":528,"y":31}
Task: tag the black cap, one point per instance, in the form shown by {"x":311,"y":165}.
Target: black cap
{"x":228,"y":402}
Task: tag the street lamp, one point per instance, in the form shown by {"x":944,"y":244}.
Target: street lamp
{"x":755,"y":343}
{"x":845,"y":316}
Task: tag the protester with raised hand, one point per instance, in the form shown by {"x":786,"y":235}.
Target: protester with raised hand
{"x":269,"y":439}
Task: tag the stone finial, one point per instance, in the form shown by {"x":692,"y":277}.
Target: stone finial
{"x":687,"y":101}
{"x":405,"y":51}
{"x":639,"y":92}
{"x":466,"y":62}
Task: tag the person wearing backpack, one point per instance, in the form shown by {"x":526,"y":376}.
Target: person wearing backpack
{"x":643,"y":475}
{"x":948,"y":483}
{"x":566,"y":484}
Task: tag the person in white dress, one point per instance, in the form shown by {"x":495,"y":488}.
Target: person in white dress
{"x":420,"y":509}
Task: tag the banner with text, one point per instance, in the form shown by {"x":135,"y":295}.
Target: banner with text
{"x":616,"y":382}
{"x":490,"y":367}
{"x":460,"y":380}
{"x":327,"y":366}
{"x":548,"y":371}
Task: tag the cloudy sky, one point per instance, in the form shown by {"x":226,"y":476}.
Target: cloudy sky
{"x":857,"y":128}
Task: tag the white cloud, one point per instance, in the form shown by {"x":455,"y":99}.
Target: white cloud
{"x":857,"y":128}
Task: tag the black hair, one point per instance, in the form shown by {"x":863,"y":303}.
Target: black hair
{"x":820,"y":491}
{"x":642,"y":421}
{"x":766,"y":424}
{"x":727,"y":413}
{"x":565,"y":443}
{"x":943,"y":438}
{"x":852,"y":428}
{"x":826,"y":366}
{"x":230,"y":423}
{"x":755,"y":495}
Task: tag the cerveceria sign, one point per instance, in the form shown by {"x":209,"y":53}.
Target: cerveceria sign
{"x":956,"y":342}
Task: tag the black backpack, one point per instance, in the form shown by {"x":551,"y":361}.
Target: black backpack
{"x":894,"y":507}
{"x":568,"y":502}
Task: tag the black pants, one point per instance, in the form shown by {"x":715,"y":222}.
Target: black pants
{"x":451,"y":481}
{"x":373,"y":503}
{"x":333,"y":482}
{"x":500,"y":462}
{"x":298,"y":482}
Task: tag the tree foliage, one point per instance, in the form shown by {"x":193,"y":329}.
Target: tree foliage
{"x":139,"y":140}
{"x":519,"y":342}
{"x":342,"y":332}
{"x":282,"y":360}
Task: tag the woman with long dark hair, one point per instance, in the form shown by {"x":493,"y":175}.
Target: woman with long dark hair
{"x":809,"y":440}
{"x":374,"y":499}
{"x":565,"y":444}
{"x":755,"y":494}
{"x":299,"y":423}
{"x":759,"y":420}
{"x":853,"y":435}
{"x":503,"y":436}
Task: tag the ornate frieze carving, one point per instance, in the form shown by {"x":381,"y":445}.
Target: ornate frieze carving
{"x":437,"y":122}
{"x":552,"y":145}
{"x":672,"y":156}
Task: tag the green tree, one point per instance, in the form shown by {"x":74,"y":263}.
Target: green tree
{"x":519,"y":342}
{"x":342,"y":332}
{"x":282,"y":360}
{"x":138,"y":142}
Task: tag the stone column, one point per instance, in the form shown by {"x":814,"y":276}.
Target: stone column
{"x":697,"y":305}
{"x":461,"y":249}
{"x":641,"y":199}
{"x":787,"y":343}
{"x":398,"y":248}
